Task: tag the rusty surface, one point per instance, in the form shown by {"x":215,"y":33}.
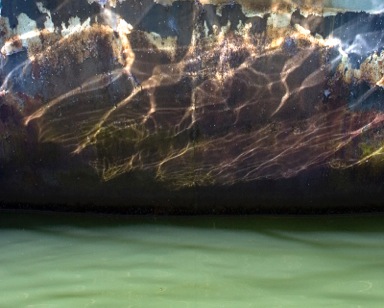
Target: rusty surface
{"x":190,"y":93}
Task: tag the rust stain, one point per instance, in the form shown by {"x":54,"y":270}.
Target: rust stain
{"x":11,"y":46}
{"x":236,"y":80}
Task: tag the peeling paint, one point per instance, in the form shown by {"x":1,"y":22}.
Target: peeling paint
{"x":26,"y":34}
{"x":49,"y":26}
{"x":257,"y":75}
{"x":75,"y":26}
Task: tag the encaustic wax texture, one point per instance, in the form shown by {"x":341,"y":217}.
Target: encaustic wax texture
{"x":191,"y":93}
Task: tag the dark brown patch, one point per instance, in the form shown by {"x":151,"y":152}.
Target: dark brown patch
{"x":16,"y":42}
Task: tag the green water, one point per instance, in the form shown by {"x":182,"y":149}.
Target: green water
{"x":49,"y":260}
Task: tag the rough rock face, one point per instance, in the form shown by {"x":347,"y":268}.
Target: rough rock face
{"x":180,"y":94}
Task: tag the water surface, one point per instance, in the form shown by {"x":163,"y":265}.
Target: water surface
{"x":57,"y":260}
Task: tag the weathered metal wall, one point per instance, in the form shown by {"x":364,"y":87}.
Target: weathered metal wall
{"x":253,"y":105}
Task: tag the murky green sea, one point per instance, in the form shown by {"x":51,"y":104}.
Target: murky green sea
{"x":50,"y":260}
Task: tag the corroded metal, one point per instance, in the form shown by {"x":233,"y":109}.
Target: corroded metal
{"x":194,"y":93}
